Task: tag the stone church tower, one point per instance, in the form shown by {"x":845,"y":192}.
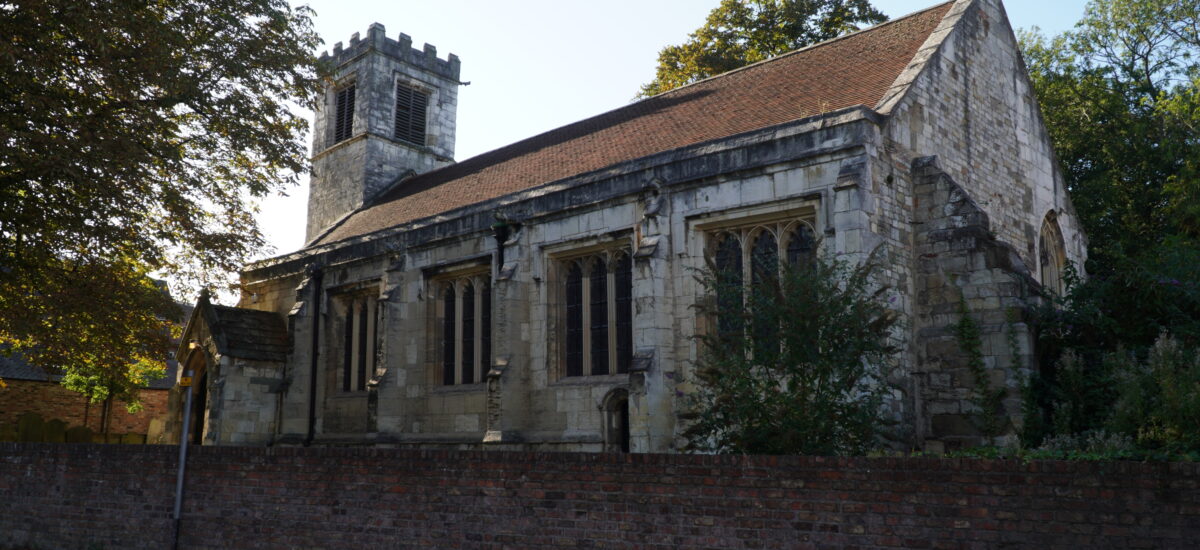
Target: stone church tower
{"x":388,"y":114}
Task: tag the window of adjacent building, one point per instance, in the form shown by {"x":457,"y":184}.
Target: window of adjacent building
{"x":343,"y":119}
{"x":747,"y":261}
{"x":356,"y":329}
{"x":598,"y":313}
{"x":410,"y":114}
{"x":465,"y":323}
{"x":1051,"y":256}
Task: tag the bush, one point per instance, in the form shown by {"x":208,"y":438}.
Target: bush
{"x":794,"y":364}
{"x":1119,"y":353}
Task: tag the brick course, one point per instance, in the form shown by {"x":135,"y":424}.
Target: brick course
{"x":75,"y":496}
{"x":51,"y":400}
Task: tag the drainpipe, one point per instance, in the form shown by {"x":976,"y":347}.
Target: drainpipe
{"x":317,"y":277}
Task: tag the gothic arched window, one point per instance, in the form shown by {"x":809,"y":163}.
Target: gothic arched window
{"x":764,"y":259}
{"x":747,"y":264}
{"x":598,"y":314}
{"x":623,"y":279}
{"x":801,"y":246}
{"x":467,"y":362}
{"x":598,"y":282}
{"x":357,"y":314}
{"x":448,"y":326}
{"x":466,"y":321}
{"x":728,"y":263}
{"x":574,"y":319}
{"x":1051,"y":256}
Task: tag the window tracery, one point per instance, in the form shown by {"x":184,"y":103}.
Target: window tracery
{"x":597,"y":312}
{"x":465,"y":314}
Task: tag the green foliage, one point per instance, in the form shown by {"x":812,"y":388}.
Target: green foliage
{"x":740,"y":32}
{"x":799,"y":369}
{"x":1159,"y":399}
{"x":1094,"y":376}
{"x":134,"y":137}
{"x":1119,"y":96}
{"x":989,"y":415}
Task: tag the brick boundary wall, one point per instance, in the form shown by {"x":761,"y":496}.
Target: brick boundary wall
{"x":52,"y":401}
{"x":96,"y":496}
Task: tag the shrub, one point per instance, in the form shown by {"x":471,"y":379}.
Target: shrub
{"x":797,"y":365}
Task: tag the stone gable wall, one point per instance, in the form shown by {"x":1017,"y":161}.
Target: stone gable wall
{"x":92,"y":496}
{"x":973,"y":107}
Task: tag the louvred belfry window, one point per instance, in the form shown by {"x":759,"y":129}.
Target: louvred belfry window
{"x":597,"y":314}
{"x":343,"y":120}
{"x":410,"y":114}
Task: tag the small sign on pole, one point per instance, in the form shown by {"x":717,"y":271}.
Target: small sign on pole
{"x":185,"y":381}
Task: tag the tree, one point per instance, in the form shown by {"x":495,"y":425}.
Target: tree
{"x":740,"y":32}
{"x":135,"y":137}
{"x":1120,"y":95}
{"x":1121,"y":99}
{"x":795,"y":364}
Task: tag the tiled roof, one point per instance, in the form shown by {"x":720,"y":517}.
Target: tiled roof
{"x":16,"y":368}
{"x":855,"y":69}
{"x":249,"y":333}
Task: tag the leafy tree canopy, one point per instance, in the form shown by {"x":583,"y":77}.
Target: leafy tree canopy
{"x":1120,"y":95}
{"x":740,"y":32}
{"x":134,"y":137}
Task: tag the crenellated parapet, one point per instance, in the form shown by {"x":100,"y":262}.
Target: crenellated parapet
{"x":401,"y":49}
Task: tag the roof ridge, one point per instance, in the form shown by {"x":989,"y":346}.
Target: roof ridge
{"x":801,"y":49}
{"x":387,"y":195}
{"x":784,"y":88}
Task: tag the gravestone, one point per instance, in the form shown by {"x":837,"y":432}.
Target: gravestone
{"x":54,"y":431}
{"x":30,"y":427}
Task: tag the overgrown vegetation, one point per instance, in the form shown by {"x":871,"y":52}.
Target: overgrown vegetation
{"x":796,"y":364}
{"x":1117,"y":355}
{"x":989,"y":418}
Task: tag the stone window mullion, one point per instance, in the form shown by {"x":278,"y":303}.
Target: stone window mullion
{"x":586,"y":307}
{"x":611,"y":304}
{"x":477,"y":360}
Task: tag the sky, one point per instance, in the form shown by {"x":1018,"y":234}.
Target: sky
{"x":535,"y":65}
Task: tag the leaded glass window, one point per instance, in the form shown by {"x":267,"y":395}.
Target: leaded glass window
{"x":465,"y":311}
{"x":598,"y":313}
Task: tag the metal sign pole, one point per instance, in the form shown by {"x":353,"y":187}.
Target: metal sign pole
{"x":183,"y":445}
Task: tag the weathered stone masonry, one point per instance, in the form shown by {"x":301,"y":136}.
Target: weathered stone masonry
{"x":942,"y":171}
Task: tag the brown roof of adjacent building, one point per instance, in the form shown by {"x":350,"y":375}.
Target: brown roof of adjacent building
{"x":855,"y":69}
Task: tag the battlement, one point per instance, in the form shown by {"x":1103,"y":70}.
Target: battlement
{"x":400,"y":49}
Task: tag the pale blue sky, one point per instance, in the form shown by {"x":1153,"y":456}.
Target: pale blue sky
{"x":535,"y":65}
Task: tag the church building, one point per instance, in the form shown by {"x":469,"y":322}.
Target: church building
{"x":541,"y":296}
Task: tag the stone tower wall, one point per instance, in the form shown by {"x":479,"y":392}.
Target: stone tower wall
{"x":348,"y":173}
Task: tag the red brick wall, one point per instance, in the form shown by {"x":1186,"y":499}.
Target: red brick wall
{"x":120,"y":496}
{"x":51,"y":400}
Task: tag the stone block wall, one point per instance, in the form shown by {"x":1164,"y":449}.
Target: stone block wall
{"x":973,"y":107}
{"x":963,"y":267}
{"x":89,"y":496}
